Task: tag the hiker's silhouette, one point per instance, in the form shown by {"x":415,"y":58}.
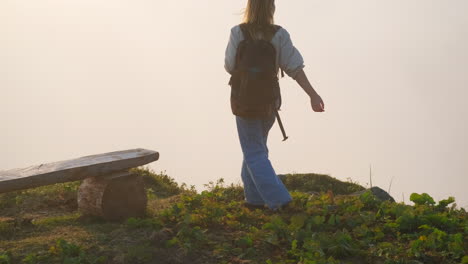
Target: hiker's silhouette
{"x":256,"y":51}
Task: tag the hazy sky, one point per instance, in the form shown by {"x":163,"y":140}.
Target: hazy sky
{"x":81,"y":77}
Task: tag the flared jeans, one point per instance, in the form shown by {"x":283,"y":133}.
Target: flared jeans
{"x":261,"y":184}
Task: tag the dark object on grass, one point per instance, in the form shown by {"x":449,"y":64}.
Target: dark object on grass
{"x":379,"y":193}
{"x":254,"y":206}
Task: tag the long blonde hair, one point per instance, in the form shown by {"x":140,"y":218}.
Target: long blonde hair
{"x":259,"y":16}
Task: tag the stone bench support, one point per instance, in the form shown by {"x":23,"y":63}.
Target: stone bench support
{"x":108,"y":189}
{"x":113,"y":197}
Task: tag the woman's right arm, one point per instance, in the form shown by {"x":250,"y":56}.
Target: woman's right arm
{"x":292,"y":63}
{"x":315,"y":100}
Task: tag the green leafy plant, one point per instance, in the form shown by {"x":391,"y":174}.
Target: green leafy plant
{"x":4,"y":258}
{"x":320,"y":226}
{"x":422,"y":199}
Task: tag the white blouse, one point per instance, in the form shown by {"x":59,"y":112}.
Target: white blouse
{"x":288,"y":58}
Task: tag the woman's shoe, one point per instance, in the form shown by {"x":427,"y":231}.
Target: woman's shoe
{"x":284,"y":208}
{"x":253,"y":206}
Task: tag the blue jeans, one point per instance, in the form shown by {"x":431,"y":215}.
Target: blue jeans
{"x":261,"y":184}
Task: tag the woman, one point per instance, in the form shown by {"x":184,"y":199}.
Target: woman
{"x":262,"y":187}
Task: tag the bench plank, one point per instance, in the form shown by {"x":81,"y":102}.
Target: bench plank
{"x":75,"y":169}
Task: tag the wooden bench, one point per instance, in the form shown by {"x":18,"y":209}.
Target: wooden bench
{"x":108,"y":189}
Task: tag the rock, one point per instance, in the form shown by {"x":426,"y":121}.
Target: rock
{"x":379,"y":193}
{"x":113,"y":198}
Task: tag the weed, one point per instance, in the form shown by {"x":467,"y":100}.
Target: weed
{"x":321,"y":227}
{"x":65,"y":219}
{"x":4,"y":258}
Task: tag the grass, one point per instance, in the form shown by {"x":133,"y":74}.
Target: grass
{"x":312,"y":182}
{"x":42,"y":225}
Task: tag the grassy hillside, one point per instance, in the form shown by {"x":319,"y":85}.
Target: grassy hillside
{"x":324,"y":224}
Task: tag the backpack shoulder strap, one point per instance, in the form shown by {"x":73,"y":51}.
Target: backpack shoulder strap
{"x":277,"y":27}
{"x":245,"y":31}
{"x":273,"y":31}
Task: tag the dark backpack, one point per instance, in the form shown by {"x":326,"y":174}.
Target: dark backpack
{"x":255,"y":90}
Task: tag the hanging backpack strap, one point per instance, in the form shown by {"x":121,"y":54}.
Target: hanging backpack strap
{"x":280,"y":123}
{"x":281,"y":126}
